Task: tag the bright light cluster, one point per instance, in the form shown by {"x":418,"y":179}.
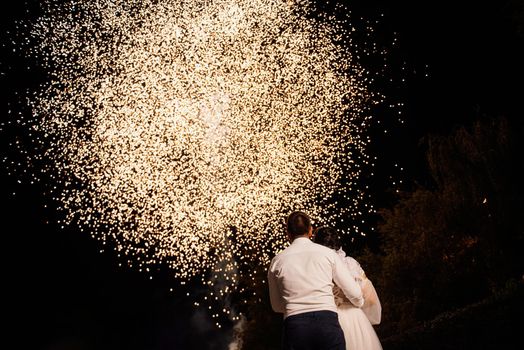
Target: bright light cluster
{"x":184,"y":132}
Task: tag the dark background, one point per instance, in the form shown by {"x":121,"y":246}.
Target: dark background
{"x":459,"y":60}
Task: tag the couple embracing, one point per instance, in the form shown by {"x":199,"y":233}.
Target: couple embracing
{"x":326,"y":299}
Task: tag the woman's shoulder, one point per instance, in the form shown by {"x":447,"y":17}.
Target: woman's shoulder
{"x":352,"y":261}
{"x":354,"y":265}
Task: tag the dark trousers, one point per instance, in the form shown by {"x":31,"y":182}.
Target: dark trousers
{"x":318,"y":330}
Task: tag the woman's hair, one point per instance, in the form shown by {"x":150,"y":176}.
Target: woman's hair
{"x":328,"y":237}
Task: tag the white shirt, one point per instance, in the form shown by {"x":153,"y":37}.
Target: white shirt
{"x":301,"y":279}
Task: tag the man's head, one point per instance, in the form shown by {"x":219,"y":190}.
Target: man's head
{"x":298,"y":225}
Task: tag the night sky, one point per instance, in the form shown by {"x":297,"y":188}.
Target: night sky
{"x":459,"y":62}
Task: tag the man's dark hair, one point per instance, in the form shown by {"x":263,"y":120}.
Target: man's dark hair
{"x":298,"y":224}
{"x":328,"y":237}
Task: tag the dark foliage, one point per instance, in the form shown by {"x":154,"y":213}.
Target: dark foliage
{"x":494,"y":323}
{"x":459,"y":240}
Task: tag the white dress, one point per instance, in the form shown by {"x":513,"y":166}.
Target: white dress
{"x":357,"y":322}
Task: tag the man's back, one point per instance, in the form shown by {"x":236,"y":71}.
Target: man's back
{"x":301,"y":279}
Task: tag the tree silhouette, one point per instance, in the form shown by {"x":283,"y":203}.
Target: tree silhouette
{"x":459,"y":239}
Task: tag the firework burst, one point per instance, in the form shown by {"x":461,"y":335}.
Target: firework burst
{"x":183,"y":132}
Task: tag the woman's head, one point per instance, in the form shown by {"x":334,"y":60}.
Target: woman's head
{"x":328,"y":237}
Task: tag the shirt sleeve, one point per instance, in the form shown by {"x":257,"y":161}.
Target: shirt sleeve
{"x":275,"y":295}
{"x":345,"y":281}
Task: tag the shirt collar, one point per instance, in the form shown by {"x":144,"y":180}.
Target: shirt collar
{"x":301,"y":240}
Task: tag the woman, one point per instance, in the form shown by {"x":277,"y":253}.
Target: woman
{"x":356,"y":322}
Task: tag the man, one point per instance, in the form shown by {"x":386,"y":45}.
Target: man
{"x":301,"y":287}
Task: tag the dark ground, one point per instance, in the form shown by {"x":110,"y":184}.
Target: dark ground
{"x":495,"y":323}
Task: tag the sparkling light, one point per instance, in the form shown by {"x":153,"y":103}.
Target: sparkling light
{"x":184,"y":132}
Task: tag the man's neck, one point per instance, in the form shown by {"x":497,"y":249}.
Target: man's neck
{"x":304,"y":236}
